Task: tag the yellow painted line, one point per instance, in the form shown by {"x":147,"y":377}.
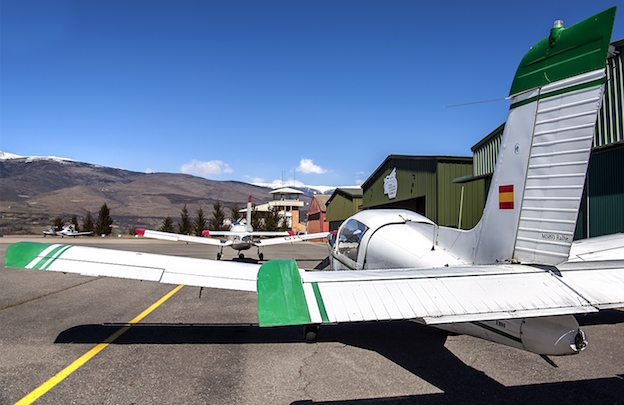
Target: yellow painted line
{"x":48,"y":385}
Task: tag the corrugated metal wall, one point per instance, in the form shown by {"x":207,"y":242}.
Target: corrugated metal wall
{"x":449,"y":196}
{"x":605,"y":185}
{"x":609,"y":126}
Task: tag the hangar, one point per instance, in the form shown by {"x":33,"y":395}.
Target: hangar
{"x":343,"y":203}
{"x":424,"y":184}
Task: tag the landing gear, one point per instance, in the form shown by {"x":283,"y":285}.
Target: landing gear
{"x":241,"y":256}
{"x":261,"y":257}
{"x":218,"y":256}
{"x":310,"y":332}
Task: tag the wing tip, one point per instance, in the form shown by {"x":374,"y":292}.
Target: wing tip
{"x":140,"y":231}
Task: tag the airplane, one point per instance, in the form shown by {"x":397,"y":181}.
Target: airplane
{"x":239,"y":237}
{"x":68,"y":230}
{"x":517,"y":278}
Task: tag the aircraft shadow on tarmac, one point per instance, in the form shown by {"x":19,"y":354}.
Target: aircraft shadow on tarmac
{"x":416,"y":348}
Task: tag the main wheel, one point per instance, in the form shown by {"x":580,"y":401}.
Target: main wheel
{"x":310,"y":332}
{"x":218,"y":256}
{"x":241,"y":256}
{"x":261,"y":256}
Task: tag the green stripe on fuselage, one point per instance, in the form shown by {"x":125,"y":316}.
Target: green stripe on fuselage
{"x":281,"y":300}
{"x":21,"y":253}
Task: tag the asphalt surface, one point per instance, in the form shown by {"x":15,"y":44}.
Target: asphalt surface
{"x":193,"y":350}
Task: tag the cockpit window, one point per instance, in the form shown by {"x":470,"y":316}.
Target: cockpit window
{"x":350,"y":238}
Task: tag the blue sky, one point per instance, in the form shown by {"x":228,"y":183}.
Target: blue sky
{"x":321,"y":91}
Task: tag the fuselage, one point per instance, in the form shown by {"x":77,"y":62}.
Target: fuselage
{"x":241,"y":237}
{"x":395,"y":239}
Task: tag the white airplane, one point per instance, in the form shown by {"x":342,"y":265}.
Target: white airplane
{"x":68,"y":230}
{"x":517,"y":278}
{"x":239,"y":237}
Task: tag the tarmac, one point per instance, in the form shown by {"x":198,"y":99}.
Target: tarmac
{"x":209,"y":349}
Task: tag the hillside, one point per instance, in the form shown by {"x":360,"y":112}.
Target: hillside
{"x":35,"y":191}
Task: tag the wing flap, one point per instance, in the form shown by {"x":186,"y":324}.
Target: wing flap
{"x":600,"y":283}
{"x":134,"y":265}
{"x":436,"y":296}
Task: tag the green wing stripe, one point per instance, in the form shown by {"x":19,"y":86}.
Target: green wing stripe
{"x":55,"y":255}
{"x":48,"y":257}
{"x":567,"y":52}
{"x":281,"y":300}
{"x":20,"y":254}
{"x":319,"y":301}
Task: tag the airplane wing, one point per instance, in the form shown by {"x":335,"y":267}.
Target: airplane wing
{"x":184,"y":238}
{"x":289,"y":239}
{"x":609,"y":247}
{"x":290,"y":296}
{"x":272,"y":233}
{"x":134,"y":265}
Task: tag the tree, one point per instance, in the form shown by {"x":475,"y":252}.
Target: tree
{"x":236,"y":213}
{"x":272,"y":220}
{"x":58,"y":223}
{"x":218,"y":216}
{"x":87,"y":223}
{"x":185,"y":225}
{"x":104,"y":224}
{"x":167,"y":225}
{"x":74,"y":221}
{"x":200,"y":222}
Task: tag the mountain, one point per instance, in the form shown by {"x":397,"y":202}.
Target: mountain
{"x":35,"y":190}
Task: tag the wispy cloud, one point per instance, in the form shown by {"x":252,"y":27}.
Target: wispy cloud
{"x":307,"y":166}
{"x":205,"y":169}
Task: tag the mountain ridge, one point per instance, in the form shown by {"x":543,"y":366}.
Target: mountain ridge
{"x":34,"y":191}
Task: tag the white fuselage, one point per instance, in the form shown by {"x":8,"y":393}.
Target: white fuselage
{"x":395,"y":239}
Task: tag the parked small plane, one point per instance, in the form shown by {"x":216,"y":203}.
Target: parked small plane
{"x":68,"y":230}
{"x":239,"y":237}
{"x":517,"y":278}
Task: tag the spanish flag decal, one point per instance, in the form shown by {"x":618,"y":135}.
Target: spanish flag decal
{"x":505,"y":197}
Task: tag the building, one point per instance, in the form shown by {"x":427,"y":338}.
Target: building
{"x":424,"y":184}
{"x":602,"y":204}
{"x":317,"y":213}
{"x":343,"y":203}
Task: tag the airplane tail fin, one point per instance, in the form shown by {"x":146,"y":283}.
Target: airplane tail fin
{"x":249,"y":212}
{"x":533,"y":203}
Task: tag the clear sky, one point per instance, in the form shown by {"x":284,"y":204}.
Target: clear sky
{"x":321,"y":91}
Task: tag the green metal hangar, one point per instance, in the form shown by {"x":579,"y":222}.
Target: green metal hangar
{"x":602,"y":204}
{"x":424,"y":184}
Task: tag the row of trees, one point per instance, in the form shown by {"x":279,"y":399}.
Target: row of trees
{"x":272,"y":221}
{"x":103,"y":225}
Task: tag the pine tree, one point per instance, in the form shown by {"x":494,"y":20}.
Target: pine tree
{"x":104,"y":224}
{"x":200,"y":222}
{"x":74,"y":221}
{"x":58,"y":223}
{"x":218,"y":216}
{"x":271,"y":220}
{"x":185,"y":222}
{"x":87,"y":223}
{"x":236,"y":214}
{"x":167,"y":225}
